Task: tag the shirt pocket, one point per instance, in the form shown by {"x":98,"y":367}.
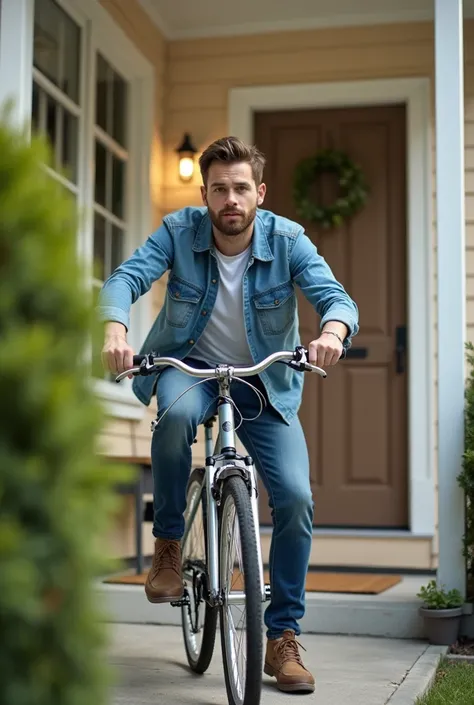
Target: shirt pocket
{"x":182,"y":300}
{"x":276,"y":308}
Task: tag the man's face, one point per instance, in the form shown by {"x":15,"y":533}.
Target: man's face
{"x":232,"y":197}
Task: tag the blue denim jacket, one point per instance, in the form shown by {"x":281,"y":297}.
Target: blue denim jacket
{"x":282,"y":256}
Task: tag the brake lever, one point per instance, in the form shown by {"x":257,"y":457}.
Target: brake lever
{"x":301,"y":364}
{"x":300,"y":359}
{"x":314,"y":368}
{"x":306,"y":367}
{"x":298,"y":366}
{"x":146,"y":366}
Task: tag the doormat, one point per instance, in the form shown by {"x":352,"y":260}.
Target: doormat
{"x":360,"y":583}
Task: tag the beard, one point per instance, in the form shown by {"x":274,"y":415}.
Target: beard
{"x":233,"y":227}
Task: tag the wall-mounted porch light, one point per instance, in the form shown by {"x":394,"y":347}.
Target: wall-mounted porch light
{"x":186,"y":152}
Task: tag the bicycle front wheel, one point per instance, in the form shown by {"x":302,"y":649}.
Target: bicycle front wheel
{"x":241,"y":612}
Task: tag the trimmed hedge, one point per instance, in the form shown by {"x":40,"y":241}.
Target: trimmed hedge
{"x":56,"y":493}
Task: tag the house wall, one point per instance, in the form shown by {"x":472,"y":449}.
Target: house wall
{"x":193,"y":78}
{"x":200,"y":74}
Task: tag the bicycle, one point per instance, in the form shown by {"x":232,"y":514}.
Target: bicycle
{"x":217,"y":494}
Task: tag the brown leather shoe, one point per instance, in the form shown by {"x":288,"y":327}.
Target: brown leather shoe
{"x":283,"y":661}
{"x":164,"y":581}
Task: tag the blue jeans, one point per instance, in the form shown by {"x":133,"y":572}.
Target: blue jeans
{"x":280,"y":454}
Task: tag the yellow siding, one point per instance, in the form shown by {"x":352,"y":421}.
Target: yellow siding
{"x":201,"y":73}
{"x":356,"y":551}
{"x":123,"y":437}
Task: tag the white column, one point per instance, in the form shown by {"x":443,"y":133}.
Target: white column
{"x":16,"y":56}
{"x":449,"y":56}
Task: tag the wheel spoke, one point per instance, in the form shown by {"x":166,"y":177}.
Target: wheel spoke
{"x":199,"y":622}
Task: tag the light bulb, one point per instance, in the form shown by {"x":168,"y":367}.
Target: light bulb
{"x":186,"y":168}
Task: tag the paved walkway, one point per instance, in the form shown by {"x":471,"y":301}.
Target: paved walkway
{"x":151,"y":668}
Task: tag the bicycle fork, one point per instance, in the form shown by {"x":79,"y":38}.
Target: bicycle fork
{"x":221,"y":460}
{"x":212,"y":519}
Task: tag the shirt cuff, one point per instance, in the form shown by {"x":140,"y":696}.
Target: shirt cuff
{"x":112,"y":313}
{"x":342,"y":316}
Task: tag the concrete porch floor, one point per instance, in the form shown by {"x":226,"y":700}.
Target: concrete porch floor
{"x":150,"y":667}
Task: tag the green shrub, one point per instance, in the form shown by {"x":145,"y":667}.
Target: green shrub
{"x":55,"y":491}
{"x":466,"y":477}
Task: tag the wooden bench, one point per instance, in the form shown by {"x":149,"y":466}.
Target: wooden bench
{"x":142,"y":486}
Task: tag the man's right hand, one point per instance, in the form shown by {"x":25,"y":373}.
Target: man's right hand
{"x":117,"y":355}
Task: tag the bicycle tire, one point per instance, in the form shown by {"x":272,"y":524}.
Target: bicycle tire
{"x":201,"y":663}
{"x":236,"y":489}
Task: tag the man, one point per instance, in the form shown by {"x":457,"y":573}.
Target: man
{"x":231,"y":299}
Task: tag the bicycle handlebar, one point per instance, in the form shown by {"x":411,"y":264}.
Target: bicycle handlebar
{"x":147,"y":364}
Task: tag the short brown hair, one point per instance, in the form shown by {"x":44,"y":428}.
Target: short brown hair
{"x":232,"y":149}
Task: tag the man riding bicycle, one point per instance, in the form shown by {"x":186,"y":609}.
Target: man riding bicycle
{"x":231,"y":299}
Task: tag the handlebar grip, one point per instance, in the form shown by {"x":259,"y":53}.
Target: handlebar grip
{"x":138,"y":359}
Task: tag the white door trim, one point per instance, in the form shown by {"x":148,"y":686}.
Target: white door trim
{"x":415,"y":93}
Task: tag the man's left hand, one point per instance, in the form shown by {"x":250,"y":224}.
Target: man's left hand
{"x":325,"y":351}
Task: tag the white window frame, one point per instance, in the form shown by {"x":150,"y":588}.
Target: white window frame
{"x":16,"y":57}
{"x":99,"y":34}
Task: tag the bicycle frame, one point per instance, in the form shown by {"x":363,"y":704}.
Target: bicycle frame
{"x":221,"y":461}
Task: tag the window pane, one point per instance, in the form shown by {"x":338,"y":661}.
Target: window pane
{"x":57,"y":51}
{"x":118,"y":187}
{"x":46,"y":39}
{"x":111,"y":101}
{"x":99,"y":268}
{"x":69,"y":144}
{"x":117,"y":248}
{"x":35,"y":108}
{"x":71,"y":58}
{"x":100,"y":174}
{"x":52,"y":125}
{"x":102,"y":91}
{"x":119,"y":111}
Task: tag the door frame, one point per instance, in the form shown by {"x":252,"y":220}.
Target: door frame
{"x":415,"y":94}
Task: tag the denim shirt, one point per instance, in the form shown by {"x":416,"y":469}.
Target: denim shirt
{"x":282,"y":255}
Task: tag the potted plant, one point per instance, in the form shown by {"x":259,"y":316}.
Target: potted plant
{"x":442,"y":613}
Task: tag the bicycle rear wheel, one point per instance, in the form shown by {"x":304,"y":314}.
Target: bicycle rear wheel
{"x":198,"y":619}
{"x":241,"y":612}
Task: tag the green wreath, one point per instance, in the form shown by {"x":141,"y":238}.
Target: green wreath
{"x":351,"y":181}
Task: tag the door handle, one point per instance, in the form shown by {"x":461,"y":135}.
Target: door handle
{"x":400,"y":349}
{"x":356,"y":353}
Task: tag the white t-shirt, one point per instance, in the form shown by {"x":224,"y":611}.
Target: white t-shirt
{"x":224,"y":339}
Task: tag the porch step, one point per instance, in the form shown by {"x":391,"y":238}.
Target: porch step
{"x":352,"y":616}
{"x":393,"y":614}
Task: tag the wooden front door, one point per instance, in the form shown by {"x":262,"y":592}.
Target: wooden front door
{"x":355,"y":421}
